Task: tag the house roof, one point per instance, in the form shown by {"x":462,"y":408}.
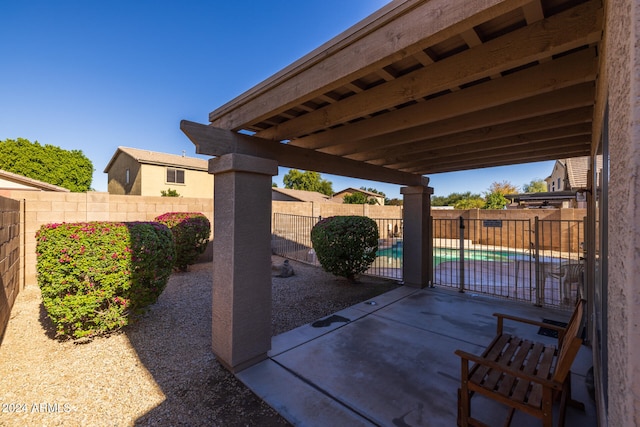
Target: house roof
{"x":577,"y":170}
{"x":33,"y":184}
{"x":161,"y":159}
{"x":303,"y":196}
{"x":427,"y":86}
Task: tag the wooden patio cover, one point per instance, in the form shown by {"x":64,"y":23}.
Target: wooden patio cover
{"x":426,"y":86}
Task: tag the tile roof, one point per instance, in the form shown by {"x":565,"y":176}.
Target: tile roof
{"x":577,"y":170}
{"x":162,"y":159}
{"x":303,"y":196}
{"x":29,"y":182}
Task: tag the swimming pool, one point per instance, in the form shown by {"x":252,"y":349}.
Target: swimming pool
{"x":448,"y":254}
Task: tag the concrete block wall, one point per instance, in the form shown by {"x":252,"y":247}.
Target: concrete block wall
{"x":517,"y":230}
{"x":9,"y":257}
{"x":42,"y":207}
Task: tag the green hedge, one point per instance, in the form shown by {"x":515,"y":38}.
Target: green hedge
{"x":93,"y":276}
{"x":191,"y":231}
{"x":345,"y":245}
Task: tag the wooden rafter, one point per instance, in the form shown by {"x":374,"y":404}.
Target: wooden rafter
{"x":562,"y":32}
{"x":580,"y":95}
{"x":428,"y":86}
{"x":567,"y":71}
{"x":553,"y":122}
{"x":217,"y":142}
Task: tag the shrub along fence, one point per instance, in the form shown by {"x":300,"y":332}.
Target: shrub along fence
{"x":94,"y":276}
{"x":44,"y":207}
{"x":528,"y":259}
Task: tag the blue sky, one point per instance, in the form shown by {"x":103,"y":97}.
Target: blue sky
{"x":92,"y":76}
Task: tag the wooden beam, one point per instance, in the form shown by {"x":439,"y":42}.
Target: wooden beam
{"x":547,"y":122}
{"x":536,"y":155}
{"x":398,"y":30}
{"x":502,"y":147}
{"x":515,"y":142}
{"x":533,"y":12}
{"x":548,"y":103}
{"x":217,"y":142}
{"x":548,"y":156}
{"x":563,"y":72}
{"x":562,"y":32}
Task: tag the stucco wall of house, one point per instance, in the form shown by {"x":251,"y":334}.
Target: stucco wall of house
{"x":622,"y":52}
{"x":117,"y":176}
{"x":556,"y":181}
{"x":196,"y":183}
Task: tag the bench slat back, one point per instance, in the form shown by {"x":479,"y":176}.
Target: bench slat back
{"x":570,"y":344}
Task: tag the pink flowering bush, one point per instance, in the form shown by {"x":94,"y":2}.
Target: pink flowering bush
{"x":191,"y":231}
{"x":94,"y":276}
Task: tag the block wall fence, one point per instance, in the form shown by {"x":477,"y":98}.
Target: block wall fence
{"x":24,"y":212}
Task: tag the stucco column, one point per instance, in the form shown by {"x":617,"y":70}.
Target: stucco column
{"x":242,"y":259}
{"x":417,"y":264}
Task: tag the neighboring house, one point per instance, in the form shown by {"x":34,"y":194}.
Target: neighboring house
{"x":290,"y":195}
{"x":569,"y":176}
{"x":133,"y":171}
{"x":13,"y":181}
{"x":339,"y":196}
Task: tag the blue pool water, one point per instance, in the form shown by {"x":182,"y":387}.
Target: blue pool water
{"x":446,"y":254}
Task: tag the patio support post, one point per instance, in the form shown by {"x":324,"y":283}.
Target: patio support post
{"x":241,"y":323}
{"x":417,"y":264}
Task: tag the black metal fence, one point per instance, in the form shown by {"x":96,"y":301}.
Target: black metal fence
{"x":539,"y":261}
{"x":291,"y":238}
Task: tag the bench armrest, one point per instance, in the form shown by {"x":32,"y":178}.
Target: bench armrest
{"x":561,"y":330}
{"x":466,"y":357}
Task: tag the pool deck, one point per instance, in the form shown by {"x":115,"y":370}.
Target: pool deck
{"x":392,"y":363}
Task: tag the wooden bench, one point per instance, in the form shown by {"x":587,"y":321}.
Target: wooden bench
{"x":522,"y":374}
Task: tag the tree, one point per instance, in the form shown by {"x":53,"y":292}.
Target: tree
{"x":394,"y":202}
{"x":495,"y":201}
{"x":47,"y":163}
{"x":504,"y":187}
{"x":358,"y":199}
{"x":535,"y":186}
{"x":494,"y":197}
{"x":470,"y":203}
{"x":169,"y":193}
{"x":373,"y":190}
{"x":465,"y":200}
{"x":308,"y":181}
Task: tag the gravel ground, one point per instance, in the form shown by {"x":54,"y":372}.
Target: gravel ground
{"x":159,"y":371}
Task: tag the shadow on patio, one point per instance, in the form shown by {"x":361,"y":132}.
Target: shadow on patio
{"x":393,"y":364}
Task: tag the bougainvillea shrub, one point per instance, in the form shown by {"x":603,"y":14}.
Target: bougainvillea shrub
{"x":94,"y":275}
{"x":345,"y":245}
{"x":191,"y":231}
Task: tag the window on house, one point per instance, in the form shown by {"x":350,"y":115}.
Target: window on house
{"x":175,"y":175}
{"x":553,"y":186}
{"x":127,"y":175}
{"x":558,"y":183}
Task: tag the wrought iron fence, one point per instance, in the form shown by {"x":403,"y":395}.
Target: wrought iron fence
{"x":539,"y":261}
{"x":291,"y":238}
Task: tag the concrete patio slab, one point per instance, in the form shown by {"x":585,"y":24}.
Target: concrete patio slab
{"x":393,"y":363}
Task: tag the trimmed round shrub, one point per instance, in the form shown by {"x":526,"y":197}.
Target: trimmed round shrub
{"x":94,"y":275}
{"x":191,"y":231}
{"x":345,"y":245}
